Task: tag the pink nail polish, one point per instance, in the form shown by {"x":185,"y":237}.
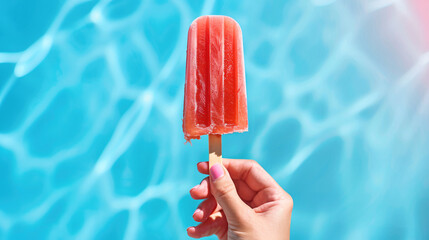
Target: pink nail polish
{"x":216,"y":171}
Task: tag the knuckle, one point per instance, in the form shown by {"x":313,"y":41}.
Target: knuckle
{"x":253,"y":162}
{"x":288,"y":202}
{"x":224,"y":190}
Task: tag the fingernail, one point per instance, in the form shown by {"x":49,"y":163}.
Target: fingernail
{"x":197,"y":212}
{"x":195,"y":187}
{"x":216,"y":172}
{"x":191,"y":229}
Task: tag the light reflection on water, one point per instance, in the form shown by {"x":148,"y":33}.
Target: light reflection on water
{"x":91,"y":97}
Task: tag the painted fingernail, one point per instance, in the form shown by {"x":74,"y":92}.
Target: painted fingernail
{"x":216,"y":172}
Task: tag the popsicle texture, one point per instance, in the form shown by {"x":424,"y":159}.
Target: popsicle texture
{"x":215,"y":88}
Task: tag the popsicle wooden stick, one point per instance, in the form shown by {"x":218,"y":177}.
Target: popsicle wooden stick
{"x":215,"y":149}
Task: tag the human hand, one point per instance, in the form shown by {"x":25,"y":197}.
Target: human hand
{"x":242,"y":201}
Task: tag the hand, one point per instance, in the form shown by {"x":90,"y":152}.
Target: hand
{"x":242,"y":201}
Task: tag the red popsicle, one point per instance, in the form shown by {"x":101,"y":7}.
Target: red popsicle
{"x":215,"y":89}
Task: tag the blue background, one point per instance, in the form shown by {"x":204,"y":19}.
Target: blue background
{"x":91,"y":98}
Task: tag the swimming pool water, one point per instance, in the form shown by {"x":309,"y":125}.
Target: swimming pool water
{"x":91,"y":98}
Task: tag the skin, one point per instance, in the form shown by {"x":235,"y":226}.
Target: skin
{"x":245,"y":203}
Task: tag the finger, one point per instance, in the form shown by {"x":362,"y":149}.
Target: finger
{"x":215,"y":224}
{"x":203,"y":167}
{"x":205,"y":209}
{"x":269,"y":195}
{"x":247,"y":170}
{"x":251,"y":173}
{"x":244,"y":191}
{"x":201,"y":191}
{"x":223,"y":189}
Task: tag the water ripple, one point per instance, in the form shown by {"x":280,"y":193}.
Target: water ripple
{"x":90,"y":117}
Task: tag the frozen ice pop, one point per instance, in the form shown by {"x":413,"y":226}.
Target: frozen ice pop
{"x":215,"y":88}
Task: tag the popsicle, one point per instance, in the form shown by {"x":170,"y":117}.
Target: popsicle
{"x":215,"y":88}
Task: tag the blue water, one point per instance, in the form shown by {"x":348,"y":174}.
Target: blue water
{"x":91,"y":98}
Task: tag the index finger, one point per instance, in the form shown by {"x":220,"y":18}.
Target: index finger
{"x":247,"y":170}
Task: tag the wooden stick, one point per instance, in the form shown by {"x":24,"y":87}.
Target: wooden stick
{"x":215,"y":149}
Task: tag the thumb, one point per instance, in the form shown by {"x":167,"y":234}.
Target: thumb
{"x":223,"y":189}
